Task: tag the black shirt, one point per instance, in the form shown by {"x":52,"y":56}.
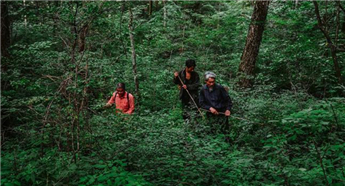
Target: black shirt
{"x":193,"y":85}
{"x":218,"y":98}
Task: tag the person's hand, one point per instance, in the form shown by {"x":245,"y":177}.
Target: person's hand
{"x":184,"y":86}
{"x":227,"y":113}
{"x":213,"y":111}
{"x":175,"y":74}
{"x":179,"y":87}
{"x":107,"y":105}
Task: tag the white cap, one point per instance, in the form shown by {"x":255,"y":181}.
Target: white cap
{"x":209,"y":74}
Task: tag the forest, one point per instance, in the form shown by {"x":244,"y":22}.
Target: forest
{"x":282,"y":63}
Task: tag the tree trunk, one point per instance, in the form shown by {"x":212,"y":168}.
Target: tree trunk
{"x":82,"y":36}
{"x":343,"y":27}
{"x":5,"y":43}
{"x":150,"y":7}
{"x":5,"y":30}
{"x":5,"y":40}
{"x":134,"y":63}
{"x":156,"y":5}
{"x":330,"y":44}
{"x":164,"y":14}
{"x":254,"y":37}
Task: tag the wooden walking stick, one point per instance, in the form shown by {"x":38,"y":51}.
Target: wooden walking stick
{"x":191,"y":98}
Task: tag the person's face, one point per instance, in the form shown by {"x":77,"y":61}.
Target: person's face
{"x":190,"y":69}
{"x":210,"y":82}
{"x":120,"y":91}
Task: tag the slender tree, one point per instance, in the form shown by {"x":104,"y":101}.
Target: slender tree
{"x":5,"y":43}
{"x":343,"y":24}
{"x":254,"y":37}
{"x":332,"y":45}
{"x":134,"y":58}
{"x":164,"y":14}
{"x":5,"y":29}
{"x":150,"y":7}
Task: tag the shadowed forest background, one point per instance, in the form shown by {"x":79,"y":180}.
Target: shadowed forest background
{"x":60,"y":62}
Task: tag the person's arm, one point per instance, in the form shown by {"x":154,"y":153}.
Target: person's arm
{"x":202,"y":100}
{"x":196,"y":84}
{"x":111,"y":100}
{"x":227,"y":99}
{"x":176,"y":80}
{"x":131,"y":104}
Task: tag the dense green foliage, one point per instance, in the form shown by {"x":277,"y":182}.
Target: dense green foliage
{"x":286,"y":130}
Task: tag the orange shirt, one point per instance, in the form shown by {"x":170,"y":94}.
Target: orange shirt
{"x":124,"y":104}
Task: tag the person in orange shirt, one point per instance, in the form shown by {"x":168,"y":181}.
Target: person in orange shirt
{"x":123,"y":100}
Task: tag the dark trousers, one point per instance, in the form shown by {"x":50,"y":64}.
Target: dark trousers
{"x":219,"y":124}
{"x":189,"y":111}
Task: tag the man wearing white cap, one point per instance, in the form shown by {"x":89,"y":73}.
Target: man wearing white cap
{"x":214,"y":98}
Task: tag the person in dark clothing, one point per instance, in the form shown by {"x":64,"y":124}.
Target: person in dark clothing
{"x":215,"y":99}
{"x":191,"y":82}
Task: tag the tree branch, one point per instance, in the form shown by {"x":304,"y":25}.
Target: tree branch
{"x":342,"y":8}
{"x":320,"y":23}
